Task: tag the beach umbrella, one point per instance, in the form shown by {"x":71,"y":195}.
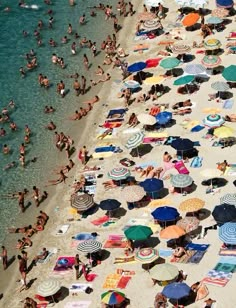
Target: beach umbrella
{"x":182,"y":144}
{"x":136,"y":67}
{"x":132,"y":84}
{"x":194,"y":69}
{"x":181,"y":180}
{"x":135,"y":140}
{"x":82,"y":202}
{"x":191,"y":205}
{"x":152,"y":62}
{"x":165,"y":213}
{"x":191,"y":3}
{"x":211,"y":61}
{"x":190,"y":19}
{"x":212,"y":44}
{"x":146,"y":119}
{"x":176,"y":290}
{"x":169,"y":62}
{"x":180,"y":48}
{"x":138,"y":233}
{"x":152,"y":186}
{"x":146,"y":255}
{"x":184,"y":80}
{"x":227,"y":233}
{"x":151,"y":24}
{"x":145,"y":16}
{"x":220,"y":12}
{"x":223,"y":132}
{"x":109,"y":204}
{"x":133,"y":193}
{"x":89,"y":246}
{"x":164,"y":272}
{"x":188,"y":223}
{"x":228,"y":199}
{"x":141,"y":150}
{"x":164,"y":117}
{"x":229,"y":73}
{"x":220,"y":86}
{"x":154,"y":80}
{"x":213,"y":120}
{"x":112,"y":297}
{"x":172,"y":232}
{"x":48,"y":287}
{"x":154,"y":3}
{"x":213,"y":20}
{"x":225,"y":3}
{"x":224,"y":213}
{"x":119,"y":173}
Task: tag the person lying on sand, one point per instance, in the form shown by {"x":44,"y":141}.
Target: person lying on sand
{"x":61,"y":179}
{"x":133,"y":120}
{"x":182,"y":104}
{"x":183,"y":111}
{"x":93,"y":100}
{"x":231,"y":117}
{"x":107,"y":132}
{"x":110,"y":184}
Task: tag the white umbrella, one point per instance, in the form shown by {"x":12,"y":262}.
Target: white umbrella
{"x":154,"y":3}
{"x":48,"y":287}
{"x":146,"y":119}
{"x":194,"y":69}
{"x":192,"y":3}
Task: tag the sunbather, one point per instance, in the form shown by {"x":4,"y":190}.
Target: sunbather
{"x":179,"y":252}
{"x":107,"y":132}
{"x":178,"y":105}
{"x":183,"y":111}
{"x":42,"y":256}
{"x":110,"y":184}
{"x":209,"y":302}
{"x":231,"y":117}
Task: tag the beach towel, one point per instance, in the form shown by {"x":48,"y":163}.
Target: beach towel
{"x":231,"y":171}
{"x":105,"y":149}
{"x":51,"y":252}
{"x":77,"y":304}
{"x":42,"y":305}
{"x":196,"y":162}
{"x":109,"y":136}
{"x":163,"y":134}
{"x":156,"y":140}
{"x":127,"y":162}
{"x":197,"y":257}
{"x":116,"y":237}
{"x":102,"y":155}
{"x":100,"y":221}
{"x":165,"y":252}
{"x":126,"y":259}
{"x":118,"y":111}
{"x":110,"y":124}
{"x":180,"y":167}
{"x":62,"y":229}
{"x":131,"y":130}
{"x":228,"y":260}
{"x":146,"y":164}
{"x":219,"y":275}
{"x":111,"y":281}
{"x":184,"y":258}
{"x":197,"y":128}
{"x":124,"y":280}
{"x":79,"y":287}
{"x":228,"y":104}
{"x":114,"y":244}
{"x":215,"y":281}
{"x":64,"y":266}
{"x":198,"y":247}
{"x":84,"y":237}
{"x":224,"y":267}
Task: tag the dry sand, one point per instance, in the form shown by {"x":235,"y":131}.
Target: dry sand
{"x":139,"y":290}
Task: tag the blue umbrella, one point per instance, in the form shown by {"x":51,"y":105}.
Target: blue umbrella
{"x":151,"y":186}
{"x":109,"y":204}
{"x":165,"y":213}
{"x":224,"y":213}
{"x":227,"y":233}
{"x":136,"y":67}
{"x":182,"y":144}
{"x":225,"y":3}
{"x":164,"y":117}
{"x":176,"y":290}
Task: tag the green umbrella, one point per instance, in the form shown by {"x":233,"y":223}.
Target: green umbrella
{"x":164,"y":272}
{"x":183,"y":80}
{"x":169,"y":63}
{"x":138,"y":232}
{"x":229,"y":73}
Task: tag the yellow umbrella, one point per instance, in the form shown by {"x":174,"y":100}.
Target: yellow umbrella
{"x":191,"y":205}
{"x":172,"y":232}
{"x":160,"y":202}
{"x":211,"y":110}
{"x":154,"y":79}
{"x":223,"y":132}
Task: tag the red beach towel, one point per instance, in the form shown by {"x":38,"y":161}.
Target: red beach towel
{"x":100,"y":221}
{"x":123,"y":282}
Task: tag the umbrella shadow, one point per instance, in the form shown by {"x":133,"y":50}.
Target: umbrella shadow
{"x":91,"y":211}
{"x":216,"y":52}
{"x":227,"y":21}
{"x":203,"y":214}
{"x":64,"y":292}
{"x":153,"y":241}
{"x":175,"y":72}
{"x":118,"y":213}
{"x":225,"y":95}
{"x":202,"y":79}
{"x":105,"y":254}
{"x":219,"y":182}
{"x":188,"y":58}
{"x":195,"y":27}
{"x":164,"y":192}
{"x":218,"y":70}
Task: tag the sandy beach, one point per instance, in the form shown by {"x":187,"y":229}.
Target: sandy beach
{"x":140,"y":289}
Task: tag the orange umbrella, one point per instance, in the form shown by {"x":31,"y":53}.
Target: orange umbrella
{"x":172,"y":232}
{"x":190,"y":19}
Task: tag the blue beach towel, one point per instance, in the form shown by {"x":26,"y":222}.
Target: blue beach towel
{"x":116,"y":111}
{"x":164,"y":253}
{"x":228,"y":260}
{"x":197,"y":128}
{"x":105,"y":149}
{"x":224,"y":267}
{"x":197,"y":257}
{"x":199,"y":247}
{"x":84,"y":237}
{"x":196,"y":162}
{"x":228,"y":104}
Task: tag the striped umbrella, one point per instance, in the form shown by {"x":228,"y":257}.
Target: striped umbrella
{"x":169,"y":62}
{"x":133,"y":193}
{"x":145,"y":16}
{"x":151,"y":24}
{"x":213,"y":120}
{"x":82,"y":202}
{"x":146,"y":255}
{"x":188,"y":223}
{"x":48,"y":287}
{"x":164,"y":272}
{"x":118,"y":174}
{"x":146,"y":119}
{"x":89,"y":246}
{"x":211,"y":61}
{"x":172,"y":232}
{"x":212,"y":44}
{"x":225,"y":3}
{"x":213,"y":20}
{"x":228,"y":199}
{"x":135,"y":140}
{"x":181,"y":180}
{"x":191,"y":205}
{"x":227,"y":233}
{"x":220,"y":12}
{"x":194,"y":69}
{"x":220,"y":86}
{"x":113,"y":297}
{"x":180,"y":49}
{"x":191,"y":3}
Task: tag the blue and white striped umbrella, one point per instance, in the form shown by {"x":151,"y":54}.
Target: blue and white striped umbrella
{"x":228,"y":199}
{"x":194,"y":69}
{"x":227,"y":233}
{"x":135,"y":140}
{"x":181,"y":180}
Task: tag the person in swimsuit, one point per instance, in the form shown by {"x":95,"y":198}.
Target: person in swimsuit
{"x":78,"y":262}
{"x":4,"y":257}
{"x":22,"y":269}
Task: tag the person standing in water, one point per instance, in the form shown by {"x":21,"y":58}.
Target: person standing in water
{"x":36,"y":195}
{"x":4,"y":257}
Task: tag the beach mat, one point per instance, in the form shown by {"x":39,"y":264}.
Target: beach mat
{"x":83,"y":237}
{"x":116,"y":237}
{"x":227,"y":252}
{"x":105,"y":149}
{"x":225,"y":267}
{"x":102,"y":154}
{"x":165,"y":252}
{"x":78,"y":304}
{"x":51,"y":252}
{"x":62,"y":229}
{"x":199,"y":247}
{"x":111,"y":281}
{"x":114,"y":244}
{"x":125,"y":259}
{"x":185,"y":258}
{"x":215,"y":281}
{"x":153,"y":139}
{"x":124,"y":280}
{"x":228,"y":260}
{"x":197,"y":257}
{"x":100,"y":221}
{"x":64,"y":266}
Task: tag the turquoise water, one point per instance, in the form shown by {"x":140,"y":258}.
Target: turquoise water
{"x":30,"y":99}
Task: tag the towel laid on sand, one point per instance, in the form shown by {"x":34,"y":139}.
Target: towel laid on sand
{"x":111,"y":281}
{"x":224,"y":267}
{"x":228,"y":260}
{"x":199,"y":247}
{"x":62,"y":229}
{"x":114,"y":244}
{"x":124,"y":280}
{"x":100,"y":221}
{"x":78,"y":304}
{"x":79,"y":287}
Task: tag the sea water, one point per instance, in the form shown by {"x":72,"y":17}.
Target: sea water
{"x":30,"y":98}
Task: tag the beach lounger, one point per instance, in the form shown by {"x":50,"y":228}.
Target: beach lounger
{"x":62,"y":229}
